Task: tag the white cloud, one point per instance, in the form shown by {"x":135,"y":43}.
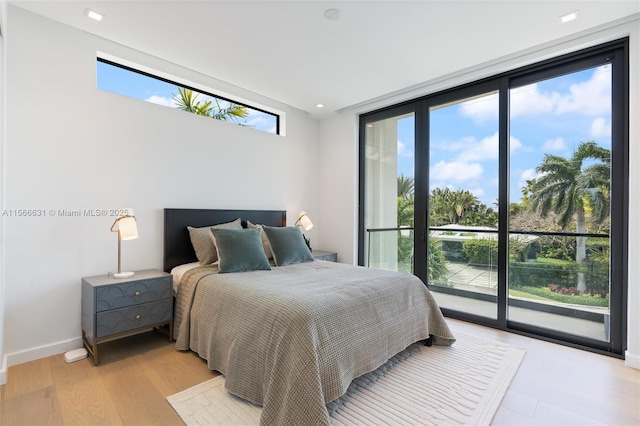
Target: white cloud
{"x":528,"y":174}
{"x":591,"y":97}
{"x":403,"y":151}
{"x":260,"y":121}
{"x":475,"y":150}
{"x":478,"y":192}
{"x":481,"y":109}
{"x":514,"y":143}
{"x":600,"y":128}
{"x":161,"y":100}
{"x":528,"y":100}
{"x":556,"y":144}
{"x":485,"y":149}
{"x":456,"y":171}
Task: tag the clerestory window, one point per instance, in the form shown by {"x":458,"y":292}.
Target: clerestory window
{"x":124,"y":80}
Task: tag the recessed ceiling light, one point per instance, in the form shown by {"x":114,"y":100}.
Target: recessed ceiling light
{"x":319,"y":106}
{"x":332,"y":14}
{"x":569,"y":17}
{"x":93,"y":14}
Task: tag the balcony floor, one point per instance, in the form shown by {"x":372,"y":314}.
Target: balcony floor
{"x":567,"y":324}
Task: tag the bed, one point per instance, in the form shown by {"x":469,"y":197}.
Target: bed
{"x":292,"y":338}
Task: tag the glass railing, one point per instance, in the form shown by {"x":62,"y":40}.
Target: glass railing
{"x":390,"y":248}
{"x":470,"y":256}
{"x":543,"y":274}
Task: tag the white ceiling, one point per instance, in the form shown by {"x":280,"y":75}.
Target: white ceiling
{"x":288,"y":50}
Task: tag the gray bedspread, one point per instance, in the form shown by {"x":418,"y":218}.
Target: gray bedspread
{"x":293,"y":338}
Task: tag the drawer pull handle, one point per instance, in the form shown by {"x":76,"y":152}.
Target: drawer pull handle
{"x":137,"y":293}
{"x":138,"y":316}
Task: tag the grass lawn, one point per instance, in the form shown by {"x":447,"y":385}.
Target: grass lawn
{"x":523,"y":295}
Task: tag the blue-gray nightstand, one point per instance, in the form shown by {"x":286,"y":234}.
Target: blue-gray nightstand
{"x":325,"y":255}
{"x":113,"y":308}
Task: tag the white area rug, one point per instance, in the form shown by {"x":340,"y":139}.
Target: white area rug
{"x":460,"y":384}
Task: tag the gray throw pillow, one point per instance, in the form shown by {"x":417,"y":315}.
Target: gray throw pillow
{"x":239,"y":250}
{"x":287,"y":245}
{"x":202,"y":244}
{"x":265,"y":240}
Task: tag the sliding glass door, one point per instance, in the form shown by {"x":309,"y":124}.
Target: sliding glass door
{"x":508,"y":197}
{"x":463,"y":194}
{"x":559,"y":215}
{"x":388,"y":155}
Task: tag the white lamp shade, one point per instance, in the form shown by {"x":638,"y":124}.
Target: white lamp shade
{"x":304,"y":220}
{"x":128,"y":228}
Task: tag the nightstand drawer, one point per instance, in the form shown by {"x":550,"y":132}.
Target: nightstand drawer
{"x":132,"y":293}
{"x":130,"y":318}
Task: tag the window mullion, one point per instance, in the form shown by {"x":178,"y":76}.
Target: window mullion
{"x":503,"y":202}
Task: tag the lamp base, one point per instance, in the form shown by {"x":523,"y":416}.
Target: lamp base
{"x":123,"y":274}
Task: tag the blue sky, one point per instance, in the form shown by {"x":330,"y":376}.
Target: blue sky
{"x":128,"y":83}
{"x":552,"y":116}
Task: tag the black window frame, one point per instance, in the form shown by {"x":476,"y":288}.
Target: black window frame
{"x":615,"y":52}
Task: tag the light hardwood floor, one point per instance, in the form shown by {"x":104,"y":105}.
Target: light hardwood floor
{"x":554,"y":385}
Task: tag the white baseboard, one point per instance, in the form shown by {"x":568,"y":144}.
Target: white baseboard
{"x":37,"y":353}
{"x":632,"y":361}
{"x":3,"y":371}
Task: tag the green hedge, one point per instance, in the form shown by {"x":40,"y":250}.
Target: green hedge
{"x":536,"y":274}
{"x":583,"y":300}
{"x":541,"y":272}
{"x":452,"y":251}
{"x":481,"y":252}
{"x":563,"y":273}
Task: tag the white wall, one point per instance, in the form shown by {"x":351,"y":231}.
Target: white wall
{"x":341,"y":146}
{"x":338,"y":190}
{"x":3,"y":26}
{"x":71,"y":146}
{"x":632,"y":358}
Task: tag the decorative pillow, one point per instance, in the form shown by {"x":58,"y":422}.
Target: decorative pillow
{"x":239,"y":250}
{"x":263,"y":237}
{"x":287,"y":245}
{"x":202,"y":244}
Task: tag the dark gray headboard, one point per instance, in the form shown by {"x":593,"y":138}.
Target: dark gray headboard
{"x":177,"y":244}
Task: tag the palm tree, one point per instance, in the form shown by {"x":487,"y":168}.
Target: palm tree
{"x":406,"y":186}
{"x":567,"y":189}
{"x":437,"y":271}
{"x":187,"y":100}
{"x":405,"y":212}
{"x":439,"y":207}
{"x":450,"y":207}
{"x":233,"y":112}
{"x":461,"y":201}
{"x":405,"y":219}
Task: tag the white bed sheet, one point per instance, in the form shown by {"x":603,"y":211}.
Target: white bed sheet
{"x":179,"y":271}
